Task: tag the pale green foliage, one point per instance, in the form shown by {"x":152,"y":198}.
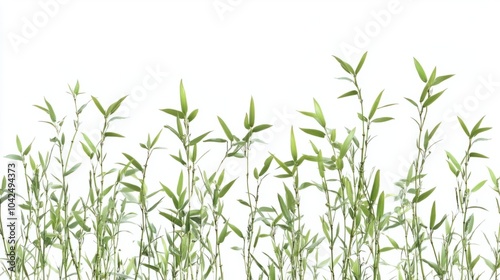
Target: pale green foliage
{"x":359,"y":231}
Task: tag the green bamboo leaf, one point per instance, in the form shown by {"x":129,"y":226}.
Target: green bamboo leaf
{"x":226,"y":188}
{"x":477,"y":155}
{"x":113,"y":107}
{"x":80,"y":222}
{"x":28,"y":149}
{"x":86,"y":150}
{"x":432,"y":77}
{"x":155,"y":139}
{"x":434,"y":266}
{"x":178,"y":159}
{"x":72,"y":169}
{"x":309,"y":114}
{"x":333,"y":135}
{"x":319,"y":114}
{"x":171,"y":195}
{"x":173,"y":112}
{"x":152,"y":267}
{"x":14,"y":157}
{"x":428,"y":85}
{"x":479,"y":130}
{"x":493,"y":177}
{"x":293,"y":145}
{"x":347,"y":143}
{"x":171,"y":218}
{"x":313,"y":132}
{"x":479,"y":186}
{"x":246,"y":124}
{"x":290,"y":199}
{"x":192,"y":115}
{"x":282,"y":165}
{"x":132,"y":187}
{"x":89,"y":142}
{"x":440,"y":79}
{"x":180,"y":183}
{"x":99,"y":106}
{"x":244,"y":203}
{"x":261,"y":127}
{"x":382,"y":119}
{"x":267,"y":163}
{"x":393,"y":242}
{"x":439,"y":223}
{"x":18,"y":144}
{"x":133,"y":161}
{"x":228,"y":133}
{"x":345,"y":65}
{"x":412,"y":102}
{"x":375,"y":105}
{"x":42,"y":108}
{"x":420,"y":70}
{"x":434,"y":130}
{"x":477,"y":125}
{"x":76,"y":89}
{"x":421,"y":197}
{"x":113,"y":134}
{"x":432,"y":98}
{"x":432,"y":219}
{"x":284,"y":209}
{"x":198,"y":139}
{"x":349,"y":93}
{"x":453,"y":160}
{"x":380,"y":206}
{"x":360,"y":63}
{"x":469,"y":224}
{"x":236,"y":230}
{"x":50,"y":110}
{"x":223,"y":234}
{"x":251,"y":113}
{"x":375,"y":187}
{"x":216,"y":140}
{"x":272,"y":272}
{"x":184,"y":104}
{"x":491,"y":265}
{"x":321,"y":166}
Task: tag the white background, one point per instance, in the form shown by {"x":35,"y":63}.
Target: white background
{"x":279,"y":52}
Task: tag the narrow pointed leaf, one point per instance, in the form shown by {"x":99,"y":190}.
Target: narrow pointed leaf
{"x":134,"y":162}
{"x":349,"y":93}
{"x":345,"y":65}
{"x":440,"y":79}
{"x":228,"y":133}
{"x":314,"y":132}
{"x":293,"y":145}
{"x":375,"y":105}
{"x":360,"y":63}
{"x":464,"y":127}
{"x":420,"y":70}
{"x":184,"y":104}
{"x":251,"y":113}
{"x":99,"y":106}
{"x":432,"y":98}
